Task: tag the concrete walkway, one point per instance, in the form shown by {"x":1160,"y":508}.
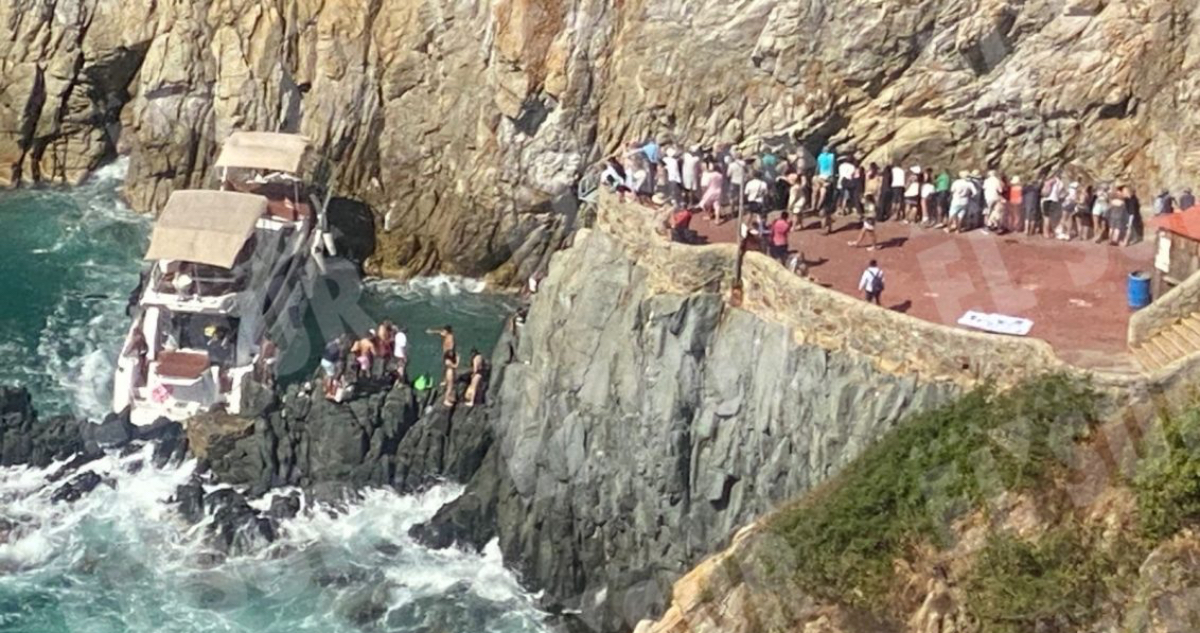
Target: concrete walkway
{"x":1074,"y":292}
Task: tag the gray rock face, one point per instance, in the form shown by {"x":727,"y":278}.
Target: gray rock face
{"x":636,"y":431}
{"x":380,"y":438}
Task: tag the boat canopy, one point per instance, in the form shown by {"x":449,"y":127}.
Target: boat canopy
{"x":205,"y":227}
{"x":271,"y":151}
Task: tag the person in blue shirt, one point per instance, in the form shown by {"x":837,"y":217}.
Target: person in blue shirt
{"x":653,"y":156}
{"x":825,"y":163}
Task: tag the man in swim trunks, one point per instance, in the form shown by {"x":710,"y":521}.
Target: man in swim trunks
{"x":363,"y":352}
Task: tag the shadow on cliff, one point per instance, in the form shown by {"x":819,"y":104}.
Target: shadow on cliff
{"x":352,"y":223}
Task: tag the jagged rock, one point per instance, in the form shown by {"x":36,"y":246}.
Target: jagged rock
{"x":114,"y":432}
{"x":237,"y":528}
{"x":284,"y":507}
{"x":190,"y":500}
{"x":76,"y":488}
{"x":24,"y":439}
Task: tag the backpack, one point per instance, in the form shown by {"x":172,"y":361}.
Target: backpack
{"x":877,"y":283}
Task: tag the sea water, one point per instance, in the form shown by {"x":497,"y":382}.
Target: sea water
{"x":120,"y":558}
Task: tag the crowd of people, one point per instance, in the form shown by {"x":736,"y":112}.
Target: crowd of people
{"x":774,"y":191}
{"x":381,"y":355}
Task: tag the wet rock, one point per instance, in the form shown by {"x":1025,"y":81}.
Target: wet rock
{"x":26,"y":439}
{"x":189,"y":498}
{"x":237,"y":528}
{"x":114,"y":432}
{"x":76,"y":488}
{"x":284,"y":507}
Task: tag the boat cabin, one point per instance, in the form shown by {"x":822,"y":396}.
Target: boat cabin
{"x":268,"y":164}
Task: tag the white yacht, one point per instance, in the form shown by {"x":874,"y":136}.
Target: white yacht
{"x":228,"y":275}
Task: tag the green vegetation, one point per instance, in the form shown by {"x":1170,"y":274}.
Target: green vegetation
{"x":1168,"y":481}
{"x":1056,"y":583}
{"x":908,"y":488}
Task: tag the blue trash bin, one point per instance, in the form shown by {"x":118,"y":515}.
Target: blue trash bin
{"x":1139,"y":290}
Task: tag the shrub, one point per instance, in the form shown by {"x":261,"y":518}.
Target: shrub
{"x":1057,"y":583}
{"x":934,"y":467}
{"x":1168,"y":481}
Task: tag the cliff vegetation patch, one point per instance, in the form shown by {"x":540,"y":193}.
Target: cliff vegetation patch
{"x":907,"y":490}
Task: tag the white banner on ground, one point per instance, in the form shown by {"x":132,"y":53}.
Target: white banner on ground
{"x":998,"y":323}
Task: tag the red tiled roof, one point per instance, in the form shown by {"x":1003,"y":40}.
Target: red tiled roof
{"x":1185,"y":223}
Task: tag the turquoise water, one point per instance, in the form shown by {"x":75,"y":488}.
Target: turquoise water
{"x":71,"y":256}
{"x":120,"y":560}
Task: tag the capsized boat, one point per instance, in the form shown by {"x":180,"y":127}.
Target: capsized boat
{"x":228,"y":276}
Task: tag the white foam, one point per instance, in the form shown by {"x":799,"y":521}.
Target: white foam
{"x":437,"y":286}
{"x":124,"y":547}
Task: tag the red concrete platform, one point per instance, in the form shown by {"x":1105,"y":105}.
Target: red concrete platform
{"x":1074,"y":292}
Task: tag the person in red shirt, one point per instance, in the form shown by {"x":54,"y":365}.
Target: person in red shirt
{"x":681,"y":223}
{"x":780,"y":229}
{"x":1015,"y":204}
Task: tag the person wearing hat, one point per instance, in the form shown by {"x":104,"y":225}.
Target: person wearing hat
{"x":961,"y":193}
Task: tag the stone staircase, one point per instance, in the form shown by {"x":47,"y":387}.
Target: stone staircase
{"x":1170,"y":344}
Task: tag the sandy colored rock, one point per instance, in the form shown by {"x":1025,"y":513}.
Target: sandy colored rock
{"x":465,"y":124}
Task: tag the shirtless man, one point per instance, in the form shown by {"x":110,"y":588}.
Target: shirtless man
{"x":385,"y":338}
{"x":363,"y":352}
{"x":447,"y":334}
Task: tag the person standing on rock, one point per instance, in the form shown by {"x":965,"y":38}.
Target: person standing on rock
{"x":871,"y":282}
{"x":385,"y":339}
{"x":449,"y":377}
{"x":713,"y":184}
{"x":332,"y":357}
{"x":478,"y":372}
{"x":447,"y":334}
{"x":363,"y":352}
{"x":400,"y":352}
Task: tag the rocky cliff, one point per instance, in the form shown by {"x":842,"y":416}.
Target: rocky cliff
{"x":638,"y":428}
{"x":464,"y":124}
